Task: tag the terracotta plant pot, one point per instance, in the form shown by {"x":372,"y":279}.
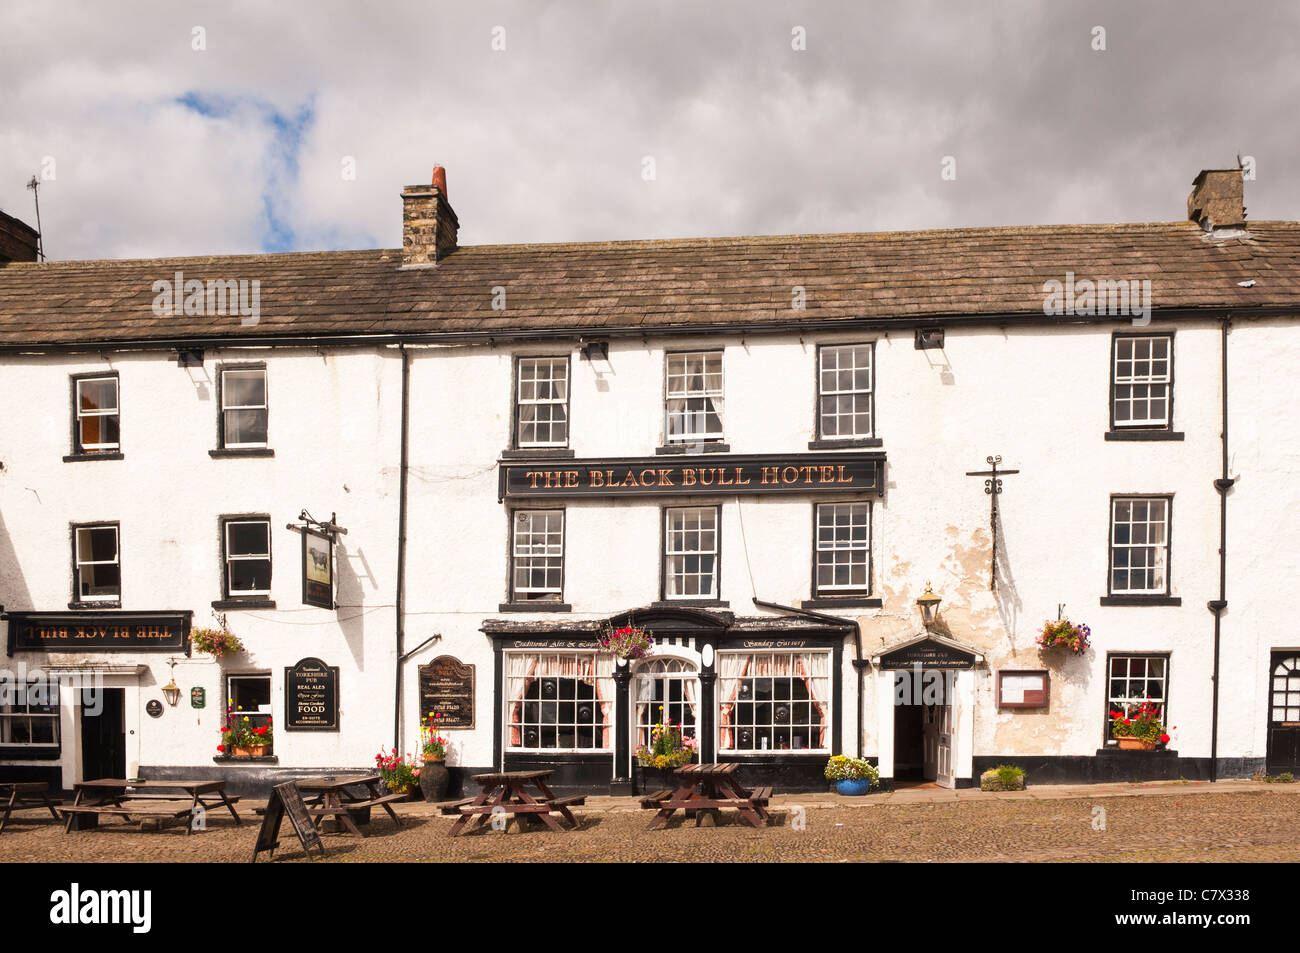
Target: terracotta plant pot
{"x":1136,"y":744}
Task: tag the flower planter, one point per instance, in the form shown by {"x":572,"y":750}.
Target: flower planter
{"x":1136,"y":744}
{"x":434,"y":780}
{"x":853,"y":787}
{"x":254,"y":751}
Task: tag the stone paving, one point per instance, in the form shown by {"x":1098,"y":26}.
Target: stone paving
{"x":1169,"y":821}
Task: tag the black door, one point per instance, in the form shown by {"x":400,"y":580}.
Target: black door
{"x":103,"y":734}
{"x":1284,"y":713}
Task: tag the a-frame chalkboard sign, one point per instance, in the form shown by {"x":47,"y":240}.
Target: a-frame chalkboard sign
{"x":287,"y":799}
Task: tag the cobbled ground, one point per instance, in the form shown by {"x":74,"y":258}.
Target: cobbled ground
{"x":1167,"y":824}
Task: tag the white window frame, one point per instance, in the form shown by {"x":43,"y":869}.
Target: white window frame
{"x":16,"y":705}
{"x":838,"y":394}
{"x":1284,"y":686}
{"x":552,"y":404}
{"x":263,"y":715}
{"x":226,"y":524}
{"x":772,"y":725}
{"x":83,"y":414}
{"x":78,"y":562}
{"x":1127,"y":703}
{"x":598,"y":724}
{"x":1159,"y":564}
{"x":858,"y":551}
{"x":668,"y":669}
{"x":264,"y":406}
{"x":1130,"y":381}
{"x":545,"y":547}
{"x":676,"y":557}
{"x":688,"y":423}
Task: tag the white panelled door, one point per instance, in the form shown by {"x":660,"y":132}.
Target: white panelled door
{"x":945,"y":776}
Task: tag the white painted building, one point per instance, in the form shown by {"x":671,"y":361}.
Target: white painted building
{"x":759,"y":450}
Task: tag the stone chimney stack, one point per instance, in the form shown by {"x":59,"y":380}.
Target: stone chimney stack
{"x":18,"y":241}
{"x":429,"y":225}
{"x":1217,"y":200}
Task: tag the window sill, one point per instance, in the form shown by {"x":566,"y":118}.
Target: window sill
{"x":258,"y":603}
{"x":691,"y":604}
{"x":1141,"y":600}
{"x":534,"y":607}
{"x":242,"y":452}
{"x":537,"y":453}
{"x":846,"y":443}
{"x":1144,"y":435}
{"x":30,"y":752}
{"x":833,"y":602}
{"x":104,"y":455}
{"x":108,"y":604}
{"x":689,"y":448}
{"x":231,"y":759}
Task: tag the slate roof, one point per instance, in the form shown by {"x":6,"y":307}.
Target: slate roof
{"x":596,"y":288}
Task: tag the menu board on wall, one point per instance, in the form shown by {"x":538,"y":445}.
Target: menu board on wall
{"x":447,"y":690}
{"x":311,"y":696}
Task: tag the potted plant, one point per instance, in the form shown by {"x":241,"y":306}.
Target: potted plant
{"x":1139,"y":729}
{"x":852,"y":776}
{"x":399,"y":775}
{"x":628,"y":642}
{"x":1005,"y":777}
{"x":217,"y":642}
{"x":669,"y":749}
{"x":1064,"y":634}
{"x":434,"y":777}
{"x":240,"y":738}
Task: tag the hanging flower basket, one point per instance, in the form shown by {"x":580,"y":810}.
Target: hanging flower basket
{"x":1064,"y":634}
{"x":217,"y":642}
{"x":626,"y":643}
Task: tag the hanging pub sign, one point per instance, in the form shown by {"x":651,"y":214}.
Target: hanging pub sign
{"x":693,"y":475}
{"x":317,"y":569}
{"x":447,"y":690}
{"x":102,"y":632}
{"x":311,"y":696}
{"x":198,"y":697}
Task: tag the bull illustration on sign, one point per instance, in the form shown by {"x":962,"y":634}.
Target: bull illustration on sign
{"x":318,"y":537}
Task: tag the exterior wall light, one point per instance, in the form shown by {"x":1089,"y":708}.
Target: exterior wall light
{"x":171,"y":691}
{"x":929,"y":604}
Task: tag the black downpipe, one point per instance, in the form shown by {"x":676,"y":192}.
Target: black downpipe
{"x":1223,"y":484}
{"x":400,"y":600}
{"x":859,"y":663}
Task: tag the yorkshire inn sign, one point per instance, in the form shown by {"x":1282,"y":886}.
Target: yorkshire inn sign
{"x":653,"y":476}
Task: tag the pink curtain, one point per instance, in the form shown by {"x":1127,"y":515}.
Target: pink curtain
{"x":520,"y":670}
{"x":595,"y":676}
{"x":813,"y":667}
{"x":733,"y":667}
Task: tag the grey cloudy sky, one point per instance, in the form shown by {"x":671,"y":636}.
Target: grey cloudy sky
{"x":162,"y":149}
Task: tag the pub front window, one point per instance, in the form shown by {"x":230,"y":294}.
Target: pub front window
{"x":774,"y":701}
{"x":559,"y":701}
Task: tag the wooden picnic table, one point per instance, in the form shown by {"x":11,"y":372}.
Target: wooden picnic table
{"x":333,"y":799}
{"x":702,"y":790}
{"x":20,"y":794}
{"x":505,"y":792}
{"x":107,"y":797}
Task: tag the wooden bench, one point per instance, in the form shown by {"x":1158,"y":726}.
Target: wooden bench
{"x":84,"y":816}
{"x":452,"y":808}
{"x":761,"y":795}
{"x":573,"y":800}
{"x":357,"y":810}
{"x":17,"y":795}
{"x":652,"y":800}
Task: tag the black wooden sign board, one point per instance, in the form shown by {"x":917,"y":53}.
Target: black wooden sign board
{"x":102,"y":632}
{"x":311,"y":696}
{"x":927,"y":654}
{"x":447,"y":690}
{"x":286,"y":799}
{"x":835,"y":473}
{"x":317,"y":569}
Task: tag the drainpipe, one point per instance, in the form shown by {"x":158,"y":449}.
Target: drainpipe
{"x":1223,"y":484}
{"x":859,"y":663}
{"x":400,"y":600}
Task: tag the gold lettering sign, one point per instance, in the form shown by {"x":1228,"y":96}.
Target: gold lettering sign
{"x":814,"y":473}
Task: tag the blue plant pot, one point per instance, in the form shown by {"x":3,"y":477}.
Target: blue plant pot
{"x":853,"y":788}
